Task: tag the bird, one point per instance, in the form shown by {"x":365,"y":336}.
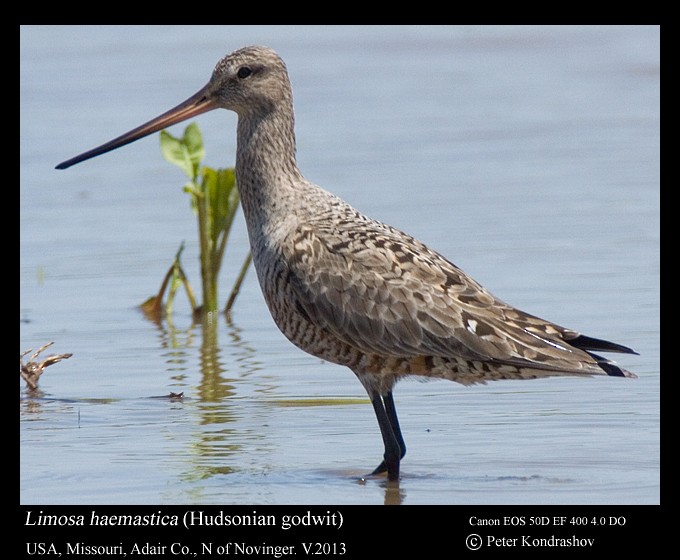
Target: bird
{"x":352,"y":290}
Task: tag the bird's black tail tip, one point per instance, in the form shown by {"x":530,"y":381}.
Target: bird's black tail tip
{"x":588,"y":343}
{"x":613,"y":369}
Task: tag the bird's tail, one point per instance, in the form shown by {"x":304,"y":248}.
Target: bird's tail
{"x":588,"y":344}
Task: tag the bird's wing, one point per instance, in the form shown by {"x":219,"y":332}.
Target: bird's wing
{"x":386,"y":293}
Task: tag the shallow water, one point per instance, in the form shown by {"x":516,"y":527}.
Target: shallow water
{"x":528,"y":156}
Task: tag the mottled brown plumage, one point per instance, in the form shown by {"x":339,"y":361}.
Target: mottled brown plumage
{"x":355,"y":291}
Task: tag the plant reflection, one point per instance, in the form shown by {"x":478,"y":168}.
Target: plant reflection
{"x":217,"y":440}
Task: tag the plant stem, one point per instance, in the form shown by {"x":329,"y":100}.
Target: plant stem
{"x":207,"y":259}
{"x":237,"y":285}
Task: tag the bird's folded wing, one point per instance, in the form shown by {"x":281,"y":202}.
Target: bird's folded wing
{"x":388,"y":294}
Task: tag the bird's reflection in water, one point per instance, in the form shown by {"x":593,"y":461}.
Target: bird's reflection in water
{"x":394,"y":493}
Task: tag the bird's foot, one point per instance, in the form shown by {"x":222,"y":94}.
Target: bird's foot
{"x":392,"y":471}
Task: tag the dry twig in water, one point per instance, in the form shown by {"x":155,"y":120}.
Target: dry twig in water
{"x":33,"y":370}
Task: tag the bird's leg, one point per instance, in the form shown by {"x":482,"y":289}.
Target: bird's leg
{"x":391,"y":410}
{"x":395,"y":449}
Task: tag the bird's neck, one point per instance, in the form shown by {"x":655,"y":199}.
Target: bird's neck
{"x":266,"y":168}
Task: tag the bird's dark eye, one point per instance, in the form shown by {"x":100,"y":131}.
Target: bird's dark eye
{"x":244,"y":72}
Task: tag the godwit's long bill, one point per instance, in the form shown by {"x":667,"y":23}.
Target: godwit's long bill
{"x":352,"y":290}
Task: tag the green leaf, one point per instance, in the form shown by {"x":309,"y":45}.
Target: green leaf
{"x":193,"y":140}
{"x":226,"y":193}
{"x":222,"y":199}
{"x":176,"y":152}
{"x":227,"y":198}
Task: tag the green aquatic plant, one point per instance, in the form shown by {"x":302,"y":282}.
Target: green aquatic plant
{"x":215,"y":200}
